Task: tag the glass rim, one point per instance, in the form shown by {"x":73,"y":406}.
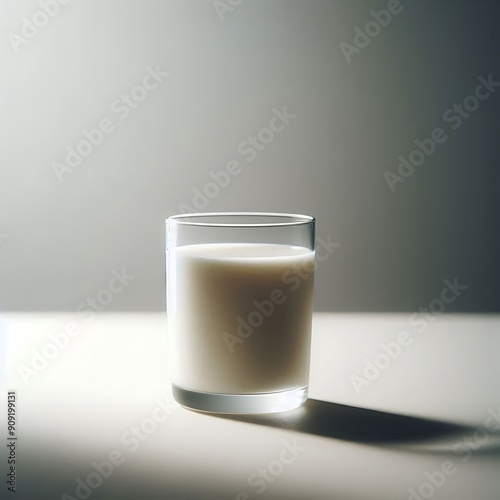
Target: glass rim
{"x":288,"y":219}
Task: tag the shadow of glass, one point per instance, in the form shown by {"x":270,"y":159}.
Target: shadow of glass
{"x":350,"y":423}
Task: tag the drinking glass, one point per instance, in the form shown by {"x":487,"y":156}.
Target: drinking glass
{"x":239,"y":302}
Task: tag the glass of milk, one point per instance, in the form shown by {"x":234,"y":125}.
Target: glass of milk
{"x":240,"y":302}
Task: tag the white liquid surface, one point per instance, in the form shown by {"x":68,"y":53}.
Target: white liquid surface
{"x":215,"y":284}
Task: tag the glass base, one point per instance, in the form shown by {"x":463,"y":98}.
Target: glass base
{"x":269,"y":402}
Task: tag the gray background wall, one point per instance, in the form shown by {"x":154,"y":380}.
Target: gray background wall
{"x":60,"y":241}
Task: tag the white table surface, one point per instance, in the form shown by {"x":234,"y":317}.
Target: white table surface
{"x":375,"y":444}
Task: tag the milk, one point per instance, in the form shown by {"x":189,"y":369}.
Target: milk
{"x":240,"y":317}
